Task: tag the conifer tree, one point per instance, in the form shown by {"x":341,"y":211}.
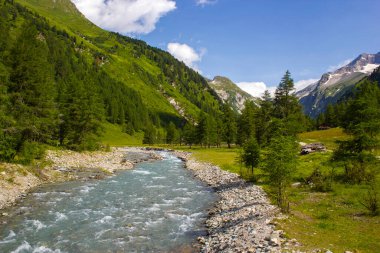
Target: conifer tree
{"x":229,"y":125}
{"x":171,"y":133}
{"x":251,"y":154}
{"x":280,"y":165}
{"x":32,"y":86}
{"x":189,"y":134}
{"x":246,"y":122}
{"x":287,"y":108}
{"x":284,"y":100}
{"x":263,"y":118}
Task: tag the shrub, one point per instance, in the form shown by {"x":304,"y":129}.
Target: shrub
{"x":30,"y":151}
{"x":371,"y":200}
{"x":319,"y":181}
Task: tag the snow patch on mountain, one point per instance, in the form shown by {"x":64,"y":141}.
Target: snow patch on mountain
{"x":333,"y":85}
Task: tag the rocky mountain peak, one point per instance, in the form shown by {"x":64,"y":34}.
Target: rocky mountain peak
{"x":229,"y":92}
{"x":333,"y":85}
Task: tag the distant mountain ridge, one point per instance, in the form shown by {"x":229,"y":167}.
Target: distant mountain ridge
{"x":230,"y":93}
{"x":333,"y":85}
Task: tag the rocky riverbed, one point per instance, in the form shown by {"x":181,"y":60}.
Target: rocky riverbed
{"x":17,"y":180}
{"x":242,"y":220}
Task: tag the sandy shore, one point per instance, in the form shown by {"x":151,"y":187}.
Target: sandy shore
{"x":242,"y":218}
{"x":17,"y":180}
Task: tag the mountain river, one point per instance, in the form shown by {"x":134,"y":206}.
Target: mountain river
{"x":156,"y":207}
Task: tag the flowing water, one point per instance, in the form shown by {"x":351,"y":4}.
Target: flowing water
{"x":157,"y":207}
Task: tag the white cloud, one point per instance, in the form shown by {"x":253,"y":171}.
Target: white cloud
{"x":304,"y":83}
{"x":256,"y":89}
{"x":205,"y":2}
{"x":125,"y":16}
{"x":187,"y":54}
{"x":338,"y":66}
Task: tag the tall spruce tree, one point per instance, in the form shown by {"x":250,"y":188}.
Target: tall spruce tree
{"x":189,"y":134}
{"x":287,"y":108}
{"x":263,"y":118}
{"x":251,"y":154}
{"x":229,"y":125}
{"x":280,"y":165}
{"x":284,"y":100}
{"x":246,"y":122}
{"x":32,"y":88}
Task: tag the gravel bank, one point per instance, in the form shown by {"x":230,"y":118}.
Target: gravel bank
{"x":17,"y":180}
{"x":241,"y":220}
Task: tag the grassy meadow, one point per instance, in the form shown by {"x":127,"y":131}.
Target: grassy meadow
{"x":333,"y":220}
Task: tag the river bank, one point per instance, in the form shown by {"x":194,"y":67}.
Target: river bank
{"x":242,"y":220}
{"x":64,"y":165}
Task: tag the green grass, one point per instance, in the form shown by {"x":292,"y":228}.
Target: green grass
{"x":327,"y":137}
{"x":334,"y":220}
{"x":113,"y":136}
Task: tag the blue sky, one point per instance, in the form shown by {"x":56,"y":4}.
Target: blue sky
{"x":251,"y":41}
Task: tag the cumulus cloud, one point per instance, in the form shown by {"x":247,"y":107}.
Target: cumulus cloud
{"x":187,"y":54}
{"x":338,"y":66}
{"x":205,"y":2}
{"x":304,"y":83}
{"x":125,"y":16}
{"x":256,"y":89}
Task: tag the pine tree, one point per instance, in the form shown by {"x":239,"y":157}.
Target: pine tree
{"x":201,"y":129}
{"x":189,"y":134}
{"x":171,"y":133}
{"x":246,"y":122}
{"x":362,"y":121}
{"x":82,"y":116}
{"x":264,"y":118}
{"x":280,"y":165}
{"x":284,"y":100}
{"x":251,"y":154}
{"x":287,"y":108}
{"x":229,"y":125}
{"x":32,"y":86}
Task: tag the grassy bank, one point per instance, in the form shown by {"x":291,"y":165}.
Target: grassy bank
{"x":114,"y":136}
{"x":332,"y":220}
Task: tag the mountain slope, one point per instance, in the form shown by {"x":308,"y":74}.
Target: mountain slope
{"x":229,"y":92}
{"x":333,"y":85}
{"x":168,"y":87}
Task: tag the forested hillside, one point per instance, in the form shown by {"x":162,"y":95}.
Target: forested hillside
{"x":59,"y":84}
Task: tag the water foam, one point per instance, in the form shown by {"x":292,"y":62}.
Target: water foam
{"x":25,"y":246}
{"x":142,"y":172}
{"x":105,"y":219}
{"x":43,"y":249}
{"x":10,"y":238}
{"x":86,"y":189}
{"x":37,"y":224}
{"x":60,"y":216}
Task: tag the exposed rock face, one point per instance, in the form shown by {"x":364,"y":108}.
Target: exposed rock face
{"x":242,"y":218}
{"x":333,"y":85}
{"x":230,"y":93}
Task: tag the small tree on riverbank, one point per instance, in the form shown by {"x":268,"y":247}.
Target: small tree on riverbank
{"x":251,"y":154}
{"x":280,"y":164}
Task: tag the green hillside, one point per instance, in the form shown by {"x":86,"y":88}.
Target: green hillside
{"x":63,"y":81}
{"x":154,"y":73}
